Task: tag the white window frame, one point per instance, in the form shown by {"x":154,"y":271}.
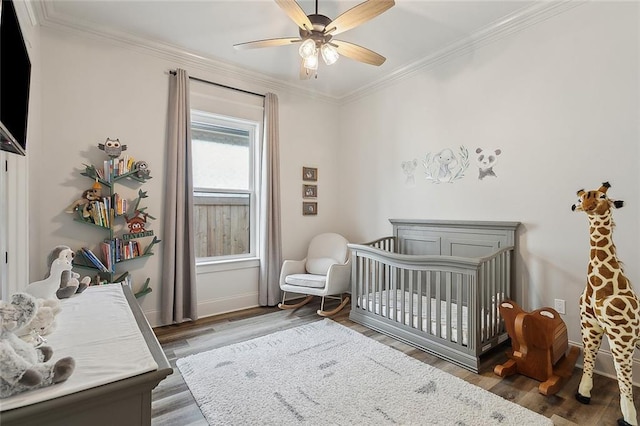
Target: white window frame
{"x":254,"y":128}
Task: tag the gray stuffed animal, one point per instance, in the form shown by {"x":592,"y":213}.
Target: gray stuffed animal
{"x":23,"y":367}
{"x":70,"y":282}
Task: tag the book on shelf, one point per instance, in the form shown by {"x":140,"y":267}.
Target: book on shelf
{"x":115,"y":167}
{"x":120,"y":205}
{"x":94,"y":259}
{"x":105,"y":247}
{"x":124,"y":250}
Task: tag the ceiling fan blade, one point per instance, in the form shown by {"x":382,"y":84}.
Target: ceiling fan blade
{"x":295,"y":12}
{"x":358,"y":15}
{"x":358,"y":53}
{"x":267,"y":43}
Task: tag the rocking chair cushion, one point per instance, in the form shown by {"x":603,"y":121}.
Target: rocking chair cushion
{"x":307,"y":280}
{"x":320,"y":265}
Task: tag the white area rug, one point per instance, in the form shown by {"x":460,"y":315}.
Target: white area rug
{"x":326,"y":374}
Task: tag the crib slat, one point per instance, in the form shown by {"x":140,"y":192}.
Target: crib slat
{"x":494,"y":295}
{"x":390,"y":290}
{"x":459,"y":313}
{"x":402,"y":304}
{"x":420,"y":299}
{"x":438,"y":305}
{"x":367,"y":283}
{"x":428,"y":296}
{"x":376,"y":282}
{"x":448,"y":307}
{"x":409,"y":316}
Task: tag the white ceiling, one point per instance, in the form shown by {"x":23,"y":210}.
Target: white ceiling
{"x":406,"y":34}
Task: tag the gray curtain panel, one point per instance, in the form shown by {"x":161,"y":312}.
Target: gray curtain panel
{"x":179,"y":301}
{"x":270,"y":235}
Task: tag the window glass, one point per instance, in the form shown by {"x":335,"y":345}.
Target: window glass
{"x":221,"y":157}
{"x":224,"y":187}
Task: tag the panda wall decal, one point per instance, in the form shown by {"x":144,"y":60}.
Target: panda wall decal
{"x":486,"y":160}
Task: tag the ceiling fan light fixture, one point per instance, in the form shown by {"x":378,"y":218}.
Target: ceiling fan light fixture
{"x":311,"y":63}
{"x":329,"y":54}
{"x":308,"y":48}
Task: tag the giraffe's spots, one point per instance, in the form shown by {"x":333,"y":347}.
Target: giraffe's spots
{"x":608,"y":288}
{"x":606,"y":272}
{"x":595,"y":280}
{"x":618,"y":303}
{"x":622,"y":281}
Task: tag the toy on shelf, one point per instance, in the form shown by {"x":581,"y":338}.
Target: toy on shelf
{"x":112,"y":147}
{"x":84,"y":204}
{"x":126,"y":224}
{"x":608,"y":304}
{"x":539,"y":347}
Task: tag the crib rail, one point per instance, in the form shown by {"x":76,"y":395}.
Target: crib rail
{"x":389,"y":244}
{"x":445,"y":305}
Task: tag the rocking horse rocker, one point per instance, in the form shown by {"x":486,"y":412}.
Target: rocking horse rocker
{"x":608,"y":304}
{"x":539,"y":347}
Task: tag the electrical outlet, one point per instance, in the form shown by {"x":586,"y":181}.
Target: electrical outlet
{"x":559,"y":305}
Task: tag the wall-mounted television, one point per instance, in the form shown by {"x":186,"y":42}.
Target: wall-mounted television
{"x":15,"y":78}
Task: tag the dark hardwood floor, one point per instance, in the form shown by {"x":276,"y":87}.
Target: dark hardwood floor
{"x":173,"y":404}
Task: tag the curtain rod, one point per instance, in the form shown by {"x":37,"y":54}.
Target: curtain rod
{"x":222,"y":85}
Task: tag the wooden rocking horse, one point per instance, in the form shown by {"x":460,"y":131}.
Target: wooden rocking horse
{"x":539,"y":347}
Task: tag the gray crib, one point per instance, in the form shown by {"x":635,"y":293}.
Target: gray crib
{"x":436,"y":285}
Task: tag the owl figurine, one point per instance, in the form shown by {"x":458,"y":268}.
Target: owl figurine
{"x":112,"y":147}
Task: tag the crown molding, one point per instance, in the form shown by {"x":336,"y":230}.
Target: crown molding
{"x":231,"y":74}
{"x":507,"y":26}
{"x":44,"y":13}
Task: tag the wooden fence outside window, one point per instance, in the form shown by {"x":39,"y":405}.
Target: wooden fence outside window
{"x":221,"y":225}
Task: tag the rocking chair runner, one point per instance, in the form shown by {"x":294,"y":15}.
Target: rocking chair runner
{"x":325,"y":272}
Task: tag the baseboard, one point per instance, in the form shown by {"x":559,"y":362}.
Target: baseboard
{"x":604,"y":365}
{"x":223,"y":305}
{"x":217,"y":306}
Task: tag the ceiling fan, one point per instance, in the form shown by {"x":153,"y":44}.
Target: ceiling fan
{"x":317,"y":32}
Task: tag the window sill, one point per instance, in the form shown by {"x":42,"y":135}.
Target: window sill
{"x":209,"y":266}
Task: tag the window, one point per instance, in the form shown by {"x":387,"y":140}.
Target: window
{"x":225,"y":171}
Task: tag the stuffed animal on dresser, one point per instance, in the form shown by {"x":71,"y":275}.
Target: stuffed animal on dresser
{"x":22,"y":366}
{"x":42,"y":324}
{"x":61,"y":282}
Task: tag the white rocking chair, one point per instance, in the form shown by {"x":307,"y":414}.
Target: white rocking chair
{"x":325,"y":272}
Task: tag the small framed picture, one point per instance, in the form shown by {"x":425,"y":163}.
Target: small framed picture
{"x":309,"y":208}
{"x":309,"y":191}
{"x":310,"y":174}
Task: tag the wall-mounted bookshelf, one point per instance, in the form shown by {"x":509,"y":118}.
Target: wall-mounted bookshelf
{"x":124,"y":221}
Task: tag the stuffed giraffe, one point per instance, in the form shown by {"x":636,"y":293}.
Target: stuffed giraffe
{"x":608,"y":304}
